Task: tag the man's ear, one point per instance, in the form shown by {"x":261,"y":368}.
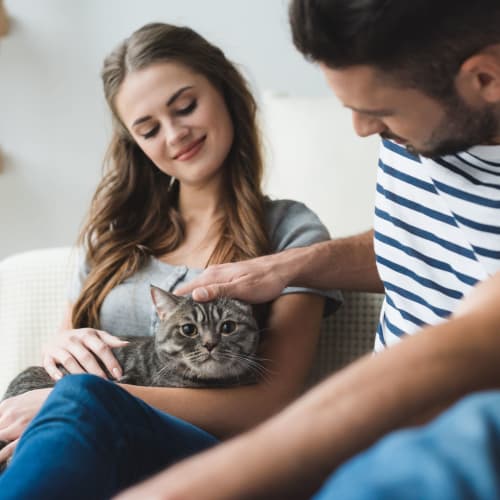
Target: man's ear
{"x":164,"y":302}
{"x":479,"y":76}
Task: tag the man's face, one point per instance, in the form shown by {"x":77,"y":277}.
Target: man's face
{"x":422,"y":124}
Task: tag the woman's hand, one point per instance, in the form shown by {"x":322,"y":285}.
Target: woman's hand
{"x":77,"y":351}
{"x":15,"y":414}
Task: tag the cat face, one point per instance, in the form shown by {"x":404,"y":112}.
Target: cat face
{"x":213,"y":340}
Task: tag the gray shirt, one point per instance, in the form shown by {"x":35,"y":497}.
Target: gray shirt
{"x":128,"y":309}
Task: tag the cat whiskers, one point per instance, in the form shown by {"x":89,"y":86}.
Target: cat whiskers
{"x":195,"y":356}
{"x":160,"y":373}
{"x":252,"y":362}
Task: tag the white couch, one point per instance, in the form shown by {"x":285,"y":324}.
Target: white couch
{"x":33,"y":289}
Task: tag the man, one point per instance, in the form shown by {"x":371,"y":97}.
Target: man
{"x":425,"y":76}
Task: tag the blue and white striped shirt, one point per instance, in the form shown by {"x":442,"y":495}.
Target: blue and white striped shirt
{"x":437,"y":232}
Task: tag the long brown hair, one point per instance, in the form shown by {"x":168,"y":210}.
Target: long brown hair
{"x":134,"y":212}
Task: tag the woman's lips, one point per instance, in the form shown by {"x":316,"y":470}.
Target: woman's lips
{"x":191,"y":150}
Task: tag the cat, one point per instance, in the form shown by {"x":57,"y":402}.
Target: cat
{"x":212,"y":344}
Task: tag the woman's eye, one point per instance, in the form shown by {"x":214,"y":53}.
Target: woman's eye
{"x":189,"y":330}
{"x":188,"y":109}
{"x":228,"y":327}
{"x":151,"y":133}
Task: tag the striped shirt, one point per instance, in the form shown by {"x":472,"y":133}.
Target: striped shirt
{"x":437,"y":233}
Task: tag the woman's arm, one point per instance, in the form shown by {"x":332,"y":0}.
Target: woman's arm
{"x":290,"y":343}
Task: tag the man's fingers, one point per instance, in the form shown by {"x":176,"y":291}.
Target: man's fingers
{"x":7,"y":451}
{"x":206,"y":293}
{"x":211,"y":275}
{"x":201,"y":294}
{"x":191,"y":287}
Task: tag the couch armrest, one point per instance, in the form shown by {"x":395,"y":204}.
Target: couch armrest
{"x":33,"y":287}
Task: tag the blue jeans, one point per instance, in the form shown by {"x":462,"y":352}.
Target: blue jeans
{"x":92,"y":439}
{"x":456,"y":456}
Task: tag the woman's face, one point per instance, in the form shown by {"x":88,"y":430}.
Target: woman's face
{"x":178,"y":119}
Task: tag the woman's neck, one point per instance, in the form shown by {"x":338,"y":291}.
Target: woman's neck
{"x":201,"y":205}
{"x":202,"y":210}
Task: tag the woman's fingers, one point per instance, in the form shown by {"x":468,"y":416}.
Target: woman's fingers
{"x":85,"y":358}
{"x":51,"y":368}
{"x":62,"y":356}
{"x":17,"y":412}
{"x":81,"y":351}
{"x":100,"y":344}
{"x":111,"y":340}
{"x":12,"y":431}
{"x":7,"y":451}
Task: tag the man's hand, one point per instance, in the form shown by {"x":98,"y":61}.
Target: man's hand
{"x":255,"y":281}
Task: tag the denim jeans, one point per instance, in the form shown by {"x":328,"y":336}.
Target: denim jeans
{"x":92,"y":439}
{"x":456,"y":456}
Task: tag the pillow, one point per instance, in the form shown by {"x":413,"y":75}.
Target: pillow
{"x":313,"y":155}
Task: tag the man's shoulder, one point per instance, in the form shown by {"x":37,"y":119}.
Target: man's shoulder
{"x":393,"y":149}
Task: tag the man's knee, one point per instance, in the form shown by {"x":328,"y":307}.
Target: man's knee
{"x":485,"y":402}
{"x":478,"y":412}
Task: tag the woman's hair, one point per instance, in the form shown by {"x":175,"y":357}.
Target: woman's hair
{"x":134,"y":212}
{"x":417,"y":43}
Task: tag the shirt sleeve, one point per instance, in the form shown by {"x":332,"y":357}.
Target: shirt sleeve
{"x":291,"y":225}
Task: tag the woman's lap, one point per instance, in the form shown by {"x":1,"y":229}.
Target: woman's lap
{"x":91,"y":439}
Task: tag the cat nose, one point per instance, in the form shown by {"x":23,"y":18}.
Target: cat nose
{"x":209,"y":346}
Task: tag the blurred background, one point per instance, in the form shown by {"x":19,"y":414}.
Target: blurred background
{"x":54,"y":125}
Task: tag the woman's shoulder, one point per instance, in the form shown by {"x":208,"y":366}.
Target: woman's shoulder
{"x":292,"y":223}
{"x":284,"y":209}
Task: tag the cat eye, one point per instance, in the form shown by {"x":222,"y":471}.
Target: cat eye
{"x":228,"y":327}
{"x":189,"y":330}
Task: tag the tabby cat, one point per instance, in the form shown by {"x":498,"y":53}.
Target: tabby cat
{"x":195,"y":345}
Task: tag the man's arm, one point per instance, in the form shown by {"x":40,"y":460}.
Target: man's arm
{"x":344,"y":263}
{"x":291,"y":454}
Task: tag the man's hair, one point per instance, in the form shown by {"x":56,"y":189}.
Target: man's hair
{"x":417,"y":43}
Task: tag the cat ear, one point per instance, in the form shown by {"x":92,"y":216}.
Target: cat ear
{"x":164,"y":302}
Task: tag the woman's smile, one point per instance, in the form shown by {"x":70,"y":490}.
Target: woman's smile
{"x":191,"y":150}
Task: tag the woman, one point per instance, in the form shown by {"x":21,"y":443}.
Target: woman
{"x":181,"y":191}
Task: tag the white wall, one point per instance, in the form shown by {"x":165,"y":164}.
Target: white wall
{"x":53,"y":121}
{"x":315,"y":157}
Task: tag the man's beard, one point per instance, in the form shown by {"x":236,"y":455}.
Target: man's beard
{"x":461,"y":129}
